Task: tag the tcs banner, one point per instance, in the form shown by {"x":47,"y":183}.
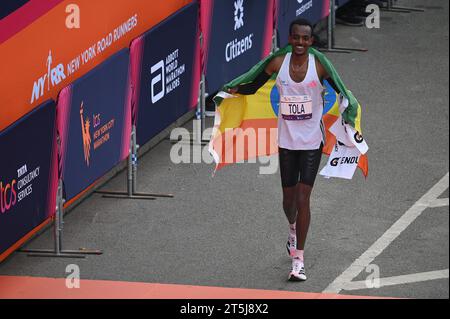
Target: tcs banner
{"x":94,"y":124}
{"x":51,"y":50}
{"x":289,"y":10}
{"x":28,"y":175}
{"x":237,"y":34}
{"x":165,"y":72}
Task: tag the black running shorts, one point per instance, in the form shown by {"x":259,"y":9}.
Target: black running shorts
{"x":299,"y":166}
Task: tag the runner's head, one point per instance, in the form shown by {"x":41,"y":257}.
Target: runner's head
{"x":300,"y":36}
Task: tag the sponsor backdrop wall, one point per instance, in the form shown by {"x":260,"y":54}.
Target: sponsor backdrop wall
{"x":94,"y":123}
{"x":42,"y":50}
{"x":237,"y":35}
{"x":28,"y":175}
{"x":289,"y":10}
{"x":9,"y":6}
{"x":340,"y":3}
{"x":165,"y":72}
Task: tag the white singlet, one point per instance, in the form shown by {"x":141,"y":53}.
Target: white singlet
{"x":300,"y":110}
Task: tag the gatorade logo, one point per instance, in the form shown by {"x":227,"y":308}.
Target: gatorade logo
{"x":335,"y":161}
{"x":358,"y":138}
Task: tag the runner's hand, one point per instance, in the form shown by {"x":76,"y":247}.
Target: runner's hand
{"x":233,"y":90}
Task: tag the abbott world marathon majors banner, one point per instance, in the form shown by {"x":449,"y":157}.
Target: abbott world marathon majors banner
{"x":47,"y":44}
{"x":165,"y":72}
{"x":94,"y":124}
{"x":237,"y":35}
{"x":289,"y":10}
{"x":28,"y":176}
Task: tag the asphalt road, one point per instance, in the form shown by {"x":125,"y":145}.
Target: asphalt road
{"x":230,"y":231}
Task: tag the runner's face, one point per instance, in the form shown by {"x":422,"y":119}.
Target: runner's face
{"x":300,"y":39}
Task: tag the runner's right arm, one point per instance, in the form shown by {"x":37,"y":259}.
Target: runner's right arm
{"x":255,"y":85}
{"x":260,"y":80}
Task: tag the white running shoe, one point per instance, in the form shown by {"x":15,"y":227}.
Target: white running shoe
{"x":298,"y":270}
{"x":291,"y":245}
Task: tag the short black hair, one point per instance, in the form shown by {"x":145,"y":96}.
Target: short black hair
{"x":301,"y":21}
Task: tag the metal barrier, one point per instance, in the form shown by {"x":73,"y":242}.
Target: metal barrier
{"x":390,"y":7}
{"x":132,"y":192}
{"x":58,"y":225}
{"x":330,"y":34}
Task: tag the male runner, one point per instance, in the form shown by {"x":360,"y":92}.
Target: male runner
{"x":301,"y":133}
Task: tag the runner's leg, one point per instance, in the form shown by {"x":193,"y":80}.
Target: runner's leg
{"x":289,"y":170}
{"x":304,"y":214}
{"x":309,"y":166}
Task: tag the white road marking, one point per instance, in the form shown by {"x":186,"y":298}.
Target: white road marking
{"x":440,"y":202}
{"x":399,"y":280}
{"x":388,"y":237}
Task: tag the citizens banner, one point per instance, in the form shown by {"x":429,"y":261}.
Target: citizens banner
{"x":237,"y":34}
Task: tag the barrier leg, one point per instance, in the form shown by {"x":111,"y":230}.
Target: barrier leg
{"x":131,"y":192}
{"x":391,"y":8}
{"x":137,"y":194}
{"x":58,"y":231}
{"x":330,"y":34}
{"x":274,"y":41}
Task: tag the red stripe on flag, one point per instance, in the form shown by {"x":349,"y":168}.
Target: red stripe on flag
{"x":253,"y":138}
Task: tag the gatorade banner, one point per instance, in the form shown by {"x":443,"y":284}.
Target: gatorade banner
{"x":237,"y":34}
{"x":342,"y":162}
{"x":165,"y":72}
{"x":28,"y":175}
{"x":94,"y":124}
{"x":47,"y":44}
{"x":289,"y":10}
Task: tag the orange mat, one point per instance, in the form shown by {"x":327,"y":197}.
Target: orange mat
{"x":12,"y":287}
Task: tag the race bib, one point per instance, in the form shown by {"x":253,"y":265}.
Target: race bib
{"x":296,"y":108}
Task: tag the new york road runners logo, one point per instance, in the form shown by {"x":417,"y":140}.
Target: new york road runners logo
{"x":85,"y":126}
{"x":50,"y":79}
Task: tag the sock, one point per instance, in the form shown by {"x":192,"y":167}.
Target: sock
{"x":298,"y":254}
{"x":292,"y":230}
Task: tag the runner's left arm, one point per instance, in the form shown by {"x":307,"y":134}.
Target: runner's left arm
{"x":323,"y":75}
{"x":333,"y":85}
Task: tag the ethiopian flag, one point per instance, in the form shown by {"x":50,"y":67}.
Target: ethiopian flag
{"x":246,"y":126}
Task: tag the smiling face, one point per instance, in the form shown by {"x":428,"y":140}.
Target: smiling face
{"x":300,"y":39}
